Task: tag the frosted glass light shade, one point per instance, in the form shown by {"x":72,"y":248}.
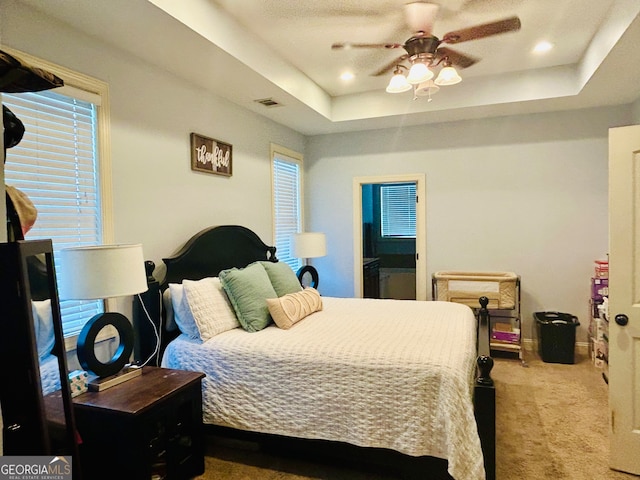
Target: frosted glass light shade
{"x":427,"y":89}
{"x":102,"y":271}
{"x":448,"y":76}
{"x":398,"y":84}
{"x":419,"y":73}
{"x":309,"y":245}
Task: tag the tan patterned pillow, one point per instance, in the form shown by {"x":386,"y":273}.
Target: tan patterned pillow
{"x":293,"y":307}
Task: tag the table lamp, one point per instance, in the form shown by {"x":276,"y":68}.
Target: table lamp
{"x":309,"y":245}
{"x":100,"y":272}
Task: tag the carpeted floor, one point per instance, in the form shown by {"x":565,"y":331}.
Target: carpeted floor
{"x":551,"y":424}
{"x":552,"y":421}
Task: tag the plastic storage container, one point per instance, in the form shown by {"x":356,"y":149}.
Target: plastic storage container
{"x":556,"y":336}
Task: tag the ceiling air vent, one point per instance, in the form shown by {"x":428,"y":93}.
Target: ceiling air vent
{"x":268,"y":102}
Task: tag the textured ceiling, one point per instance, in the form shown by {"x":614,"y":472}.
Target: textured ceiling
{"x":302,"y":32}
{"x":246,"y":50}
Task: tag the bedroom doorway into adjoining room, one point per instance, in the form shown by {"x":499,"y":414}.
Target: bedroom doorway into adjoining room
{"x":389,"y":261}
{"x":389,"y":240}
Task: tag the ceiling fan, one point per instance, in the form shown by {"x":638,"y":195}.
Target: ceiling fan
{"x":425,"y":50}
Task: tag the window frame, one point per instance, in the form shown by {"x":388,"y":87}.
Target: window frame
{"x":279,"y":152}
{"x":96,"y":91}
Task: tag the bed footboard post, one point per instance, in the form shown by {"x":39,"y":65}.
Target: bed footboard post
{"x":485,"y":393}
{"x":144,"y":334}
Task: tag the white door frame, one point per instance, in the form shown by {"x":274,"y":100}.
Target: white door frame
{"x":624,"y":295}
{"x":420,"y":179}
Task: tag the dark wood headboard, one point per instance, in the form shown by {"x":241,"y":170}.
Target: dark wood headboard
{"x":204,"y":255}
{"x":214,"y":249}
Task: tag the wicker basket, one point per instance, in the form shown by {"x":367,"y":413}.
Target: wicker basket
{"x":468,"y":287}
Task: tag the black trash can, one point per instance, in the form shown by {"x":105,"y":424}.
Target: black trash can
{"x":556,"y":336}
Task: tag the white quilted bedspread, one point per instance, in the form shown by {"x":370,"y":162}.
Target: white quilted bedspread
{"x":49,"y":374}
{"x":393,"y":374}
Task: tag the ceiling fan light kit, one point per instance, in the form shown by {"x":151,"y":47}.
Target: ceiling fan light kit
{"x":424,"y":50}
{"x":420,"y":76}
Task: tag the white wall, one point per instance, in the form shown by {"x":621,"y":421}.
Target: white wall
{"x":635,"y":111}
{"x":523,"y":194}
{"x":158,"y":200}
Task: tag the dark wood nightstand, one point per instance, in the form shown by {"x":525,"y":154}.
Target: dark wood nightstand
{"x":149,"y":427}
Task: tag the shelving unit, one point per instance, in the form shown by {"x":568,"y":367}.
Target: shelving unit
{"x":599,"y":324}
{"x":511,"y":343}
{"x":503,"y":291}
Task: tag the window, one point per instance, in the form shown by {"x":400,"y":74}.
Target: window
{"x":55,"y":166}
{"x":287,"y":211}
{"x":398,"y":210}
{"x":58,"y":165}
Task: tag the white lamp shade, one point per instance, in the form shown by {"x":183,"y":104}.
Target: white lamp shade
{"x":309,"y":245}
{"x":102,"y":271}
{"x":418,"y":73}
{"x":448,"y":76}
{"x":398,"y":84}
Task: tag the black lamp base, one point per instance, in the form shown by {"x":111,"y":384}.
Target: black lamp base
{"x":308,"y":269}
{"x":114,"y":371}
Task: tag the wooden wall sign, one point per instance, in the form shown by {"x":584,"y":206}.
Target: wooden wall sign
{"x":210,"y":156}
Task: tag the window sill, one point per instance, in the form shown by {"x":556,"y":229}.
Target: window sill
{"x":107,"y":333}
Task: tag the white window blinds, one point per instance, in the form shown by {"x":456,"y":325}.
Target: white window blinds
{"x":398,"y":210}
{"x":286,"y":207}
{"x":55,"y":164}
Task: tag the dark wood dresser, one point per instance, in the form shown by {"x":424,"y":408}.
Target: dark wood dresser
{"x":371,"y":277}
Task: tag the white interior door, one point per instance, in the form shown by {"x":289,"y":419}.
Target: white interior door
{"x":624,"y":298}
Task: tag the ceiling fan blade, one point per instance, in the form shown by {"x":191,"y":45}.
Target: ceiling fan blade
{"x":348,"y":45}
{"x":480,"y":31}
{"x":388,"y":67}
{"x":456,"y":58}
{"x":420,"y":16}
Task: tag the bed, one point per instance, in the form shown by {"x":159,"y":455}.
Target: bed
{"x":404,"y":376}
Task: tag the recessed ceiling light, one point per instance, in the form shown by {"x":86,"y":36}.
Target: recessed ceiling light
{"x":346,"y":76}
{"x":542,"y":47}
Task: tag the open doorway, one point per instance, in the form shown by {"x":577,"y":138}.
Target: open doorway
{"x":389,"y":237}
{"x":389,"y":240}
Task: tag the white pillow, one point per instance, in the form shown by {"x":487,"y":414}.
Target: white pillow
{"x":43,"y":327}
{"x":169,"y":320}
{"x":181,"y":312}
{"x":210,"y":307}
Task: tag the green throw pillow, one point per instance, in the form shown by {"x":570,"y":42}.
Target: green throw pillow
{"x":282,"y":278}
{"x":248,"y":289}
